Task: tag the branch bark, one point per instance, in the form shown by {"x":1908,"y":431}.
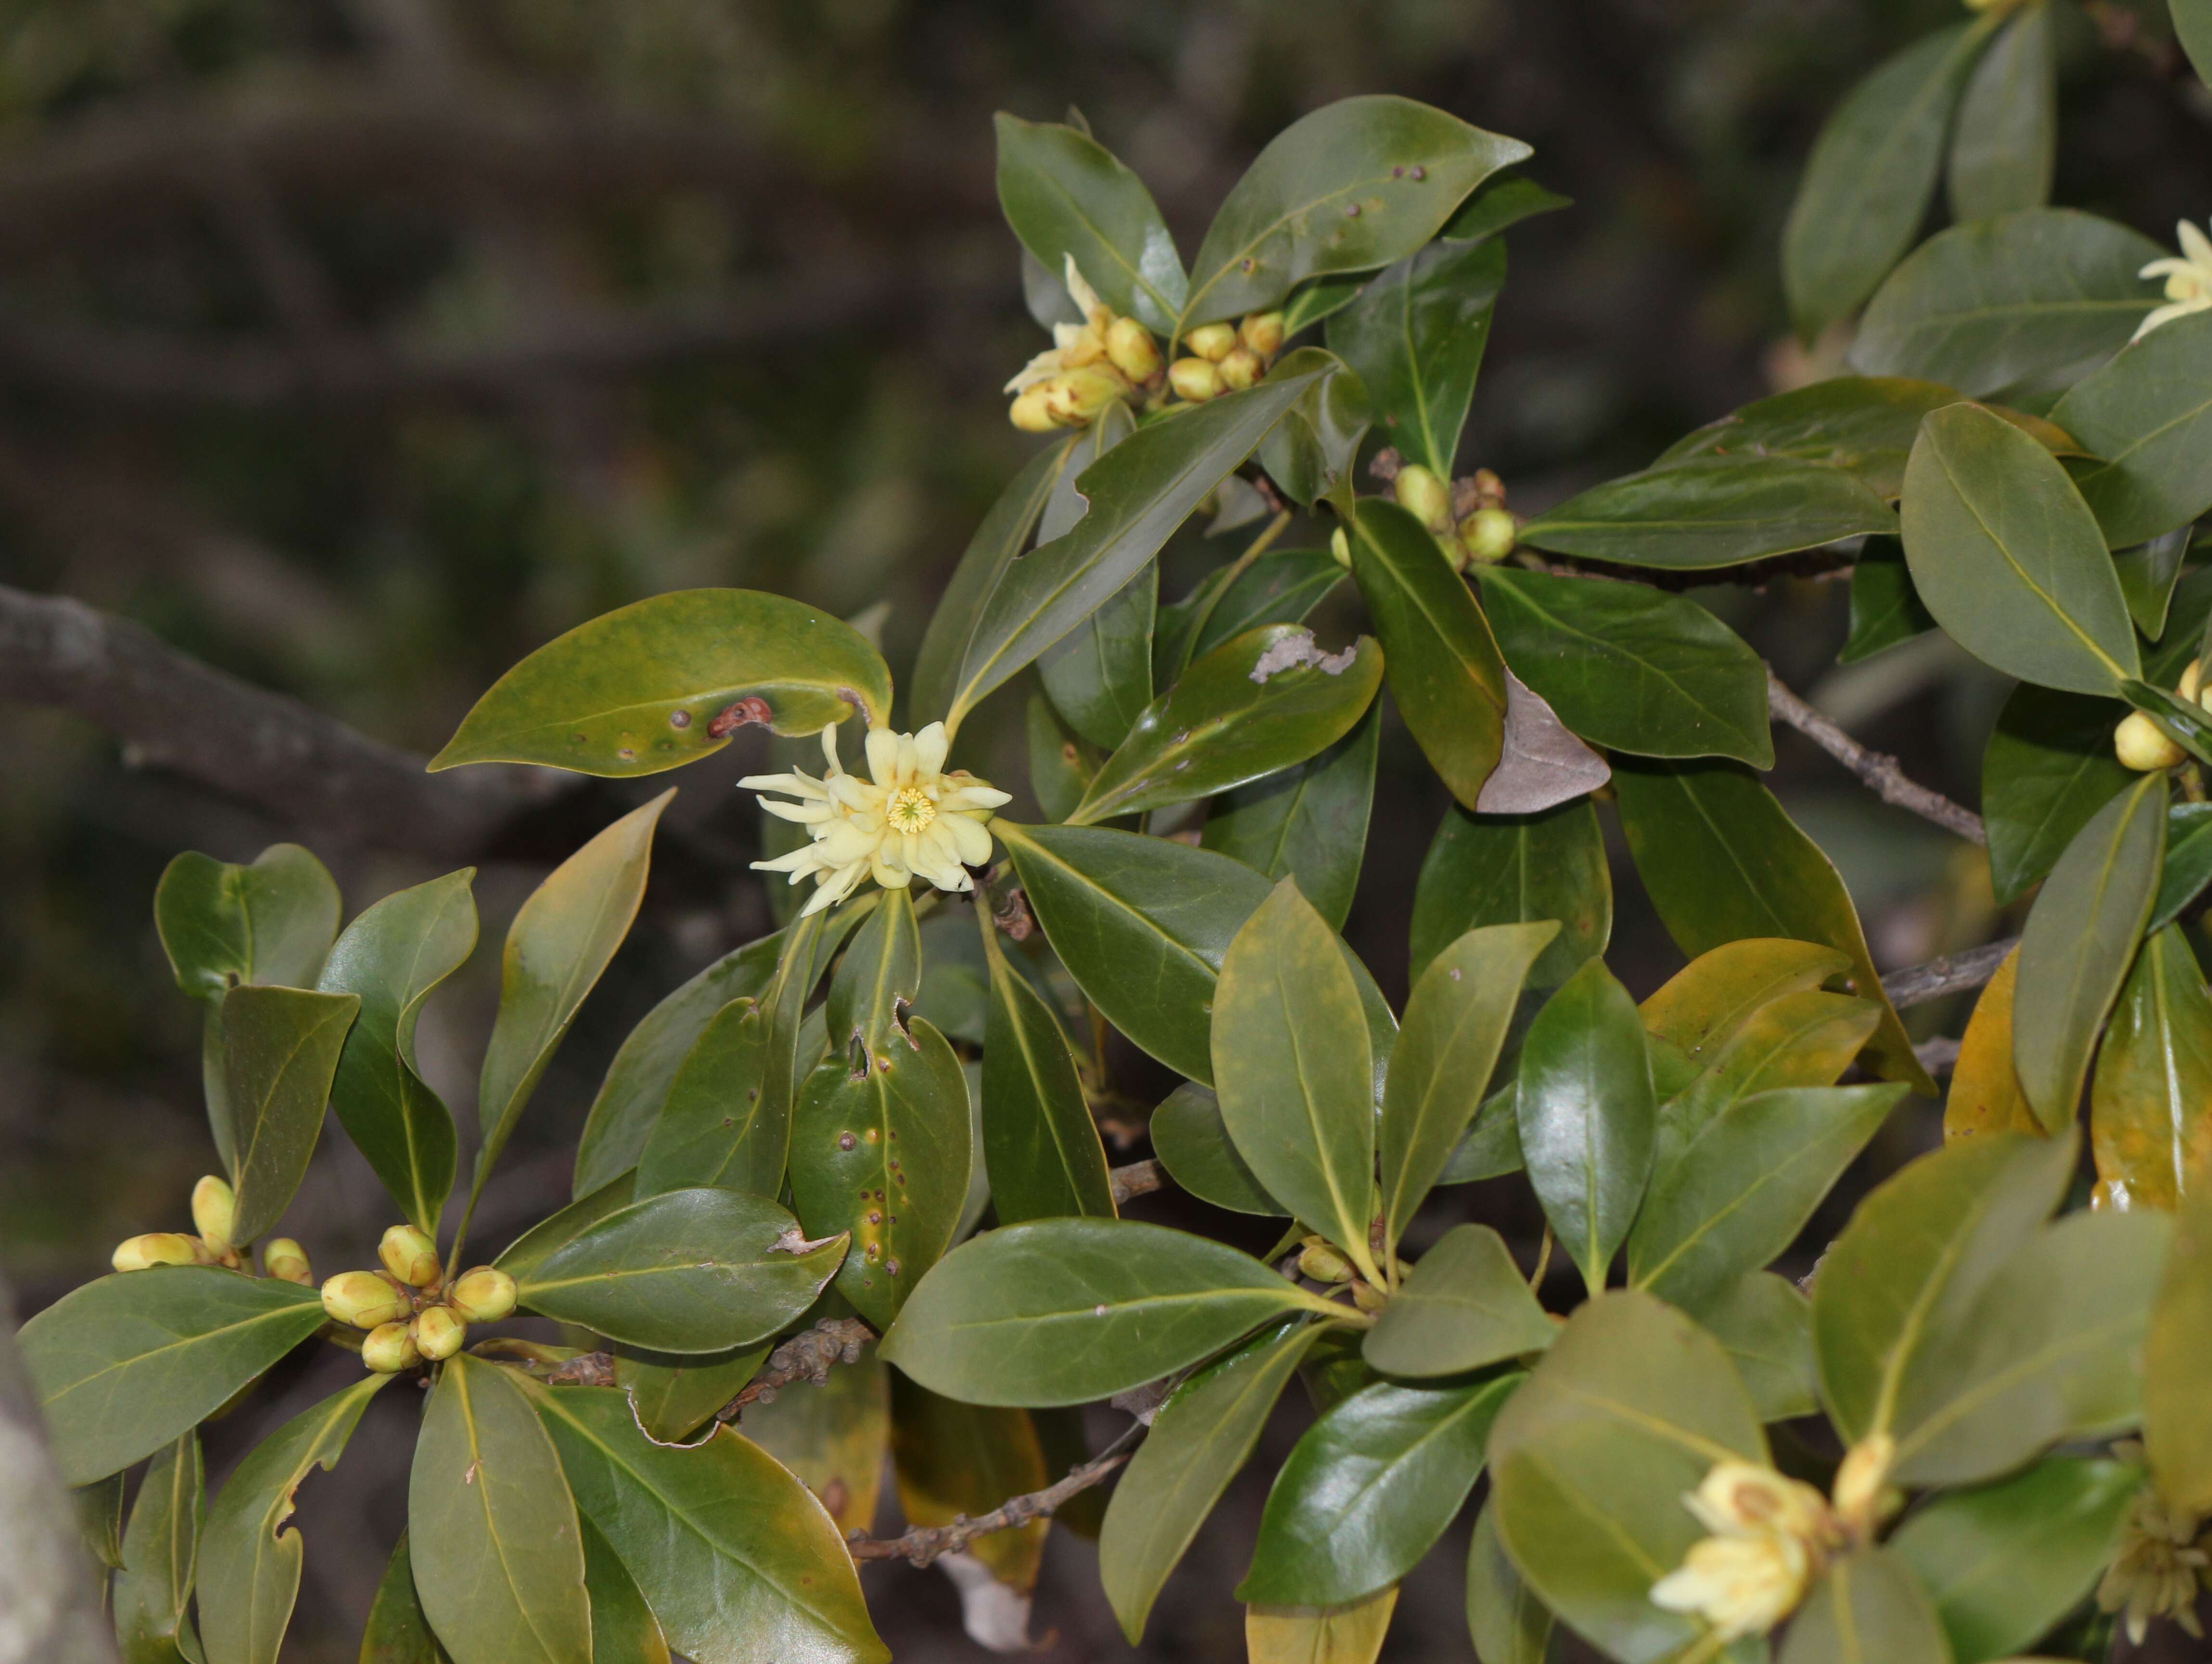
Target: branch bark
{"x":1878,"y":770}
{"x":1954,"y":974}
{"x":1137,"y":1178}
{"x":921,"y":1545}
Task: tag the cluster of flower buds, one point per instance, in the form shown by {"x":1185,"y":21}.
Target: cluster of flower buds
{"x":1324,"y":1262}
{"x":1226,"y":357}
{"x":2141,"y":743}
{"x":1467,"y":517}
{"x":214,"y":1212}
{"x":412,"y":1314}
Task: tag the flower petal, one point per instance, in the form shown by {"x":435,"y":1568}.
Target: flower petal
{"x":882,"y":755}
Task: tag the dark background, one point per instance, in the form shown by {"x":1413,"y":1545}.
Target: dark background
{"x":359,"y":346}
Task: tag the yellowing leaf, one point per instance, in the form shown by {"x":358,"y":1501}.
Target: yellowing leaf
{"x":1350,"y":1634}
{"x":1986,"y":1090}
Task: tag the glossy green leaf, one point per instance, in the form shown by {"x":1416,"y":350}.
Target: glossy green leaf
{"x":1587,"y":1114}
{"x":1867,"y":185}
{"x":623,"y":1628}
{"x":2009,"y":558}
{"x":1465,"y":1306}
{"x":1508,"y":1624}
{"x":673,"y":1394}
{"x":878,"y":981}
{"x":1629,"y":1408}
{"x":2048,"y":769}
{"x":640,"y":690}
{"x":1862,"y":424}
{"x":1293,"y":1071}
{"x":1193,"y":1144}
{"x":1456,"y":1022}
{"x":393,"y":956}
{"x":1806,"y":1039}
{"x":692,"y":1270}
{"x":125,"y":1364}
{"x":2148,"y":574}
{"x":720,"y":1125}
{"x":397,"y":1632}
{"x":559,"y":943}
{"x":737,"y":1559}
{"x":1445,"y":670}
{"x":2005,"y":145}
{"x":1099,"y":675}
{"x":531,"y":1249}
{"x":161,"y":1547}
{"x":1308,"y":822}
{"x":1064,"y":1311}
{"x":1062,"y":764}
{"x":1500,"y":202}
{"x":99,"y":1508}
{"x":1492,"y":1144}
{"x":1041,"y":1147}
{"x":280,"y":1053}
{"x":1415,"y":336}
{"x":1712,"y":511}
{"x":2036,"y":298}
{"x":1766,"y":1326}
{"x":882,"y":1154}
{"x":1722,"y":861}
{"x":1068,"y":196}
{"x":1355,"y":185}
{"x":249,"y":1561}
{"x":491,"y":1525}
{"x":2080,"y":940}
{"x":2188,"y":867}
{"x":1280,"y":587}
{"x":1630,"y":669}
{"x":1517,"y":868}
{"x":2177,"y":1351}
{"x":1746,"y":1185}
{"x":2147,"y":418}
{"x":1201,"y":1437}
{"x":1886,"y":609}
{"x":222,"y":924}
{"x":1310,"y":453}
{"x":1869,"y":1609}
{"x":2150,"y":1105}
{"x":1369,"y":1488}
{"x":834,"y":1435}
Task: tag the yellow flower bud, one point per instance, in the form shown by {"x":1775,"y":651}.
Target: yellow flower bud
{"x":2139,"y":743}
{"x":1322,"y":1263}
{"x":286,"y":1260}
{"x":1075,"y":396}
{"x":483,"y":1295}
{"x":1030,"y":412}
{"x":158,"y":1248}
{"x":1131,"y":347}
{"x":1862,"y":1492}
{"x":1195,"y":379}
{"x":1369,"y":1298}
{"x":1424,"y":497}
{"x":215,"y":1208}
{"x":390,"y":1348}
{"x":1262,"y":331}
{"x":1086,"y":347}
{"x":439,"y":1332}
{"x":1340,"y":547}
{"x":1489,"y":535}
{"x":1211,"y":342}
{"x":1240,"y":368}
{"x":366,"y":1299}
{"x":410,"y":1255}
{"x":2192,"y":682}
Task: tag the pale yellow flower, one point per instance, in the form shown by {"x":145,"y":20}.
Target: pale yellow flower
{"x":909,"y":819}
{"x":1740,"y":1498}
{"x":2159,"y":1566}
{"x":1740,"y":1585}
{"x":2188,"y":280}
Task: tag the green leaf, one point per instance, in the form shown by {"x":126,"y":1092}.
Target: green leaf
{"x":2147,"y":418}
{"x":1869,"y":1609}
{"x":692,"y":1270}
{"x":1138,"y":493}
{"x":99,"y":1508}
{"x":623,"y":1628}
{"x":1586,"y":1114}
{"x":2006,"y":143}
{"x":1712,"y":511}
{"x":1067,"y":196}
{"x":393,"y":956}
{"x":1062,"y":764}
{"x":1280,"y":587}
{"x":1099,"y":675}
{"x":673,"y":1394}
{"x":559,"y":943}
{"x":1192,"y":1143}
{"x":1267,"y":700}
{"x":1723,"y":862}
{"x":737,"y":1561}
{"x":1508,"y":1624}
{"x":1456,"y":1022}
{"x":1872,"y":171}
{"x":1369,"y":1488}
{"x":2192,"y":24}
{"x":1355,"y":185}
{"x":535,"y":1245}
{"x":998,"y":543}
{"x":1415,"y":337}
{"x":1886,"y":609}
{"x":720,"y":1126}
{"x":1041,"y":1147}
{"x":836,"y":1436}
{"x":641,"y":690}
{"x":397,"y":1632}
{"x":1862,"y":424}
{"x":1201,"y":1438}
{"x":882,"y":1154}
{"x":1308,"y":822}
{"x":2033,"y":299}
{"x":1293,"y":1071}
{"x":1916,"y":1256}
{"x":1630,"y":669}
{"x":2177,"y":1351}
{"x":125,"y":1364}
{"x":2048,"y":769}
{"x":499,"y":1565}
{"x":876,"y":982}
{"x":1491,"y":1145}
{"x":280,"y":1052}
{"x":1500,"y":202}
{"x":1766,"y":1327}
{"x":1310,"y":453}
{"x":2009,"y":558}
{"x":1517,"y":868}
{"x":2188,"y":862}
{"x":2080,"y":940}
{"x":2003,"y":1562}
{"x":1746,"y":1185}
{"x":1465,"y":1306}
{"x":1445,"y":671}
{"x":249,"y":1563}
{"x":1799,"y":1039}
{"x":1629,"y":1408}
{"x":2150,"y":1105}
{"x":1064,"y":1311}
{"x":161,"y":1547}
{"x":222,"y":924}
{"x":2147,"y":575}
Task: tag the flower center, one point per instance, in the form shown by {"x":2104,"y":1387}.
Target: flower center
{"x":910,"y":809}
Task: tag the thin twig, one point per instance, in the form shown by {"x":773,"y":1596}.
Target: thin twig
{"x":921,"y":1545}
{"x":1917,"y":984}
{"x":807,"y":1357}
{"x":1137,"y":1178}
{"x":1880,"y":772}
